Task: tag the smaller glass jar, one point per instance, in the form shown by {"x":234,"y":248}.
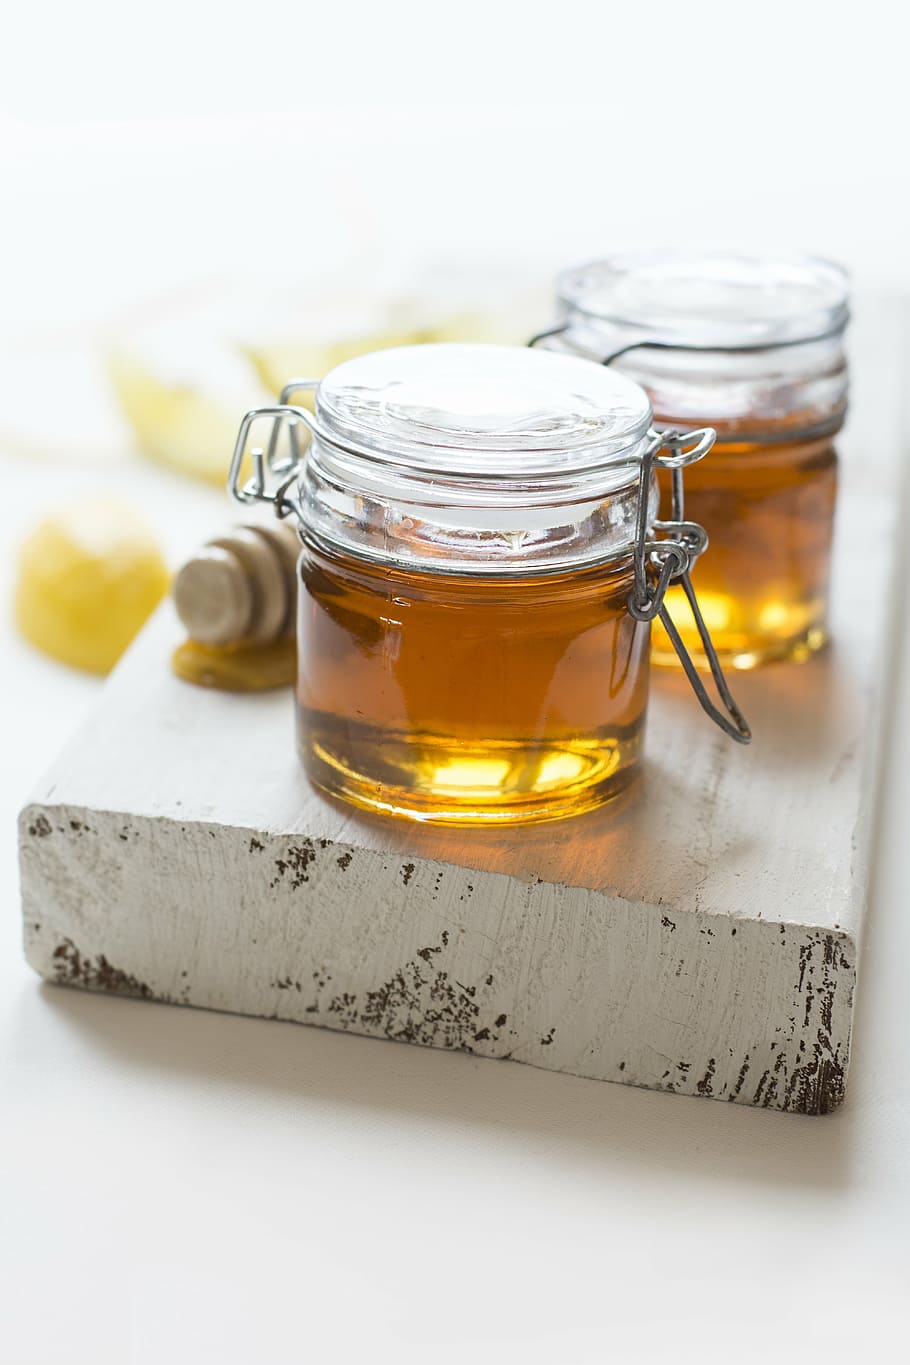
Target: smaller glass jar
{"x":753,"y":347}
{"x":479,"y":569}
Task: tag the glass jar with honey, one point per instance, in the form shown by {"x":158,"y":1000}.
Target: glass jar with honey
{"x":480,"y":564}
{"x":753,"y":347}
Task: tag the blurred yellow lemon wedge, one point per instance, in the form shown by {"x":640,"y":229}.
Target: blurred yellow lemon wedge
{"x":89,"y":577}
{"x":176,"y":424}
{"x":277,"y":362}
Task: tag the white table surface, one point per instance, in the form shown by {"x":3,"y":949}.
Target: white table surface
{"x":189,"y":1187}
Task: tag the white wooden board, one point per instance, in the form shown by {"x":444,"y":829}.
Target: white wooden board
{"x":700,"y":936}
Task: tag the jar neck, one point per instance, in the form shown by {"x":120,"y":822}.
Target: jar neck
{"x":432,"y":581}
{"x":802,"y":428}
{"x":775,"y":393}
{"x":396,"y":527}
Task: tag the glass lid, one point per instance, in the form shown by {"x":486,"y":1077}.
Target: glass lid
{"x":708,"y":299}
{"x":482,"y":411}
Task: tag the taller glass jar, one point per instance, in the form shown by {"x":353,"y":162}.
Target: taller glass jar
{"x":753,"y":347}
{"x":479,"y":568}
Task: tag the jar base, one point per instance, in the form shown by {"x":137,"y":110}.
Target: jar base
{"x":749,"y":654}
{"x":442,"y":781}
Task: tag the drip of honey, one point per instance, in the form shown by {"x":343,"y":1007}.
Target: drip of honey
{"x":237,"y":668}
{"x":762,"y":583}
{"x":468,"y":699}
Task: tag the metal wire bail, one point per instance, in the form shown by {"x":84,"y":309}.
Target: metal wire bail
{"x":659,"y":562}
{"x":646,"y":341}
{"x":273,"y":477}
{"x":672,"y":558}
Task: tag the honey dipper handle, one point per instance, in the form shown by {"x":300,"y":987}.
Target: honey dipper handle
{"x":240,"y":587}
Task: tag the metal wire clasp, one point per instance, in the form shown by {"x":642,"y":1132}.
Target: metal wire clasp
{"x":668,"y":559}
{"x":658,"y":563}
{"x":273,"y":477}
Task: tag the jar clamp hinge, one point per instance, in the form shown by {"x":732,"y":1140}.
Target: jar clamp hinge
{"x":660,"y":562}
{"x":273,"y":476}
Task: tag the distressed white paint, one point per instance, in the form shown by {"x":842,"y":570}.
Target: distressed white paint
{"x":700,"y":936}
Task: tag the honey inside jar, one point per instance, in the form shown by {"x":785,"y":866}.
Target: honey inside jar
{"x":752,"y":347}
{"x":763,"y":581}
{"x":429,"y":695}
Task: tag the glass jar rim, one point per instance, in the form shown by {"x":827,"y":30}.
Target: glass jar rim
{"x":697,"y":299}
{"x":482,"y":413}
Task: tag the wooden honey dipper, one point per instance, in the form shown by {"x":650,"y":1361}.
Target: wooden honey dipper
{"x":237,"y":598}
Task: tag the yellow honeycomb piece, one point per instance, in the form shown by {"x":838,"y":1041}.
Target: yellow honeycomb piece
{"x":89,"y":577}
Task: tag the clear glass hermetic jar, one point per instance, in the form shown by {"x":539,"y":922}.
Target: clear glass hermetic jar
{"x":753,"y":347}
{"x":479,"y":568}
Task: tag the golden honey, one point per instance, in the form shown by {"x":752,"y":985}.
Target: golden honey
{"x":237,"y":668}
{"x":762,"y":583}
{"x":437,"y":696}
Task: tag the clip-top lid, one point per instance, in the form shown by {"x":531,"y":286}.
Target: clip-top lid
{"x":708,"y":300}
{"x":482,"y":411}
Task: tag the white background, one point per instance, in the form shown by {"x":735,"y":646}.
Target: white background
{"x":195,"y":1188}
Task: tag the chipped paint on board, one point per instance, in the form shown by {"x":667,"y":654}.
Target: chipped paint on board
{"x":483,"y":984}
